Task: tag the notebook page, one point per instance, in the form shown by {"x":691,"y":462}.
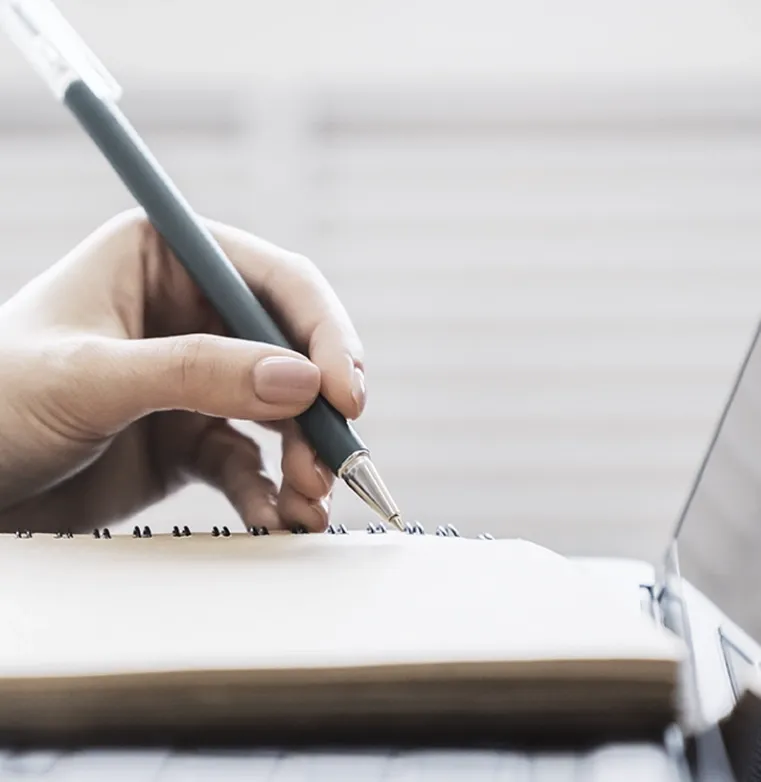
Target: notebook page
{"x":86,"y":606}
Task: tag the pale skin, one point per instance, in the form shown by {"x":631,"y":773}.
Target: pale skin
{"x":118,"y":384}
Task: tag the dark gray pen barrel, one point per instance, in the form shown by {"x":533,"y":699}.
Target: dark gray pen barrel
{"x":324,"y":427}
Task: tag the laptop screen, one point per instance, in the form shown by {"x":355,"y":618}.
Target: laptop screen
{"x":719,"y":532}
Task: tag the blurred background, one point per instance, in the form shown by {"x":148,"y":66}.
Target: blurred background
{"x":544,"y":218}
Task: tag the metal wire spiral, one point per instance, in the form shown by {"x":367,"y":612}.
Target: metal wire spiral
{"x":377,"y":528}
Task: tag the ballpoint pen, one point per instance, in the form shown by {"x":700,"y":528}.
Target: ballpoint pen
{"x":79,"y":81}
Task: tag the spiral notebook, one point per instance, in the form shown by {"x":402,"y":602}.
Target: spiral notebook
{"x":343,"y":634}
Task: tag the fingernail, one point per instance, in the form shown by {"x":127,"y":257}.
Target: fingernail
{"x":322,"y":507}
{"x":358,"y":390}
{"x":285,"y":380}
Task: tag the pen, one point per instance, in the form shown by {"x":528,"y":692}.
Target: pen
{"x":84,"y":86}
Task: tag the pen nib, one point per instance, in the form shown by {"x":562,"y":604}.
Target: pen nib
{"x":364,"y":480}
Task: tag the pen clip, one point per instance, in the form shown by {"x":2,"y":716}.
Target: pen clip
{"x":54,"y":48}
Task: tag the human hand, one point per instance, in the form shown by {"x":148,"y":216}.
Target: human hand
{"x":118,"y":383}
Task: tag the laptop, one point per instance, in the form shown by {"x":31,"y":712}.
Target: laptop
{"x":706,"y":589}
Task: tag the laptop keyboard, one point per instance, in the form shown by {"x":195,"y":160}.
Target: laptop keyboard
{"x":614,"y":763}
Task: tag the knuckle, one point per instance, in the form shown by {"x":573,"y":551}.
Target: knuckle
{"x":189,"y":354}
{"x":132,"y":223}
{"x":299,"y":268}
{"x":134,"y":217}
{"x":299,"y":262}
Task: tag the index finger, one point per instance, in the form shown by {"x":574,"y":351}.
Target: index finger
{"x":307,"y":309}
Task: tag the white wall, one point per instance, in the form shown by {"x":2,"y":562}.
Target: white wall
{"x":358,"y":40}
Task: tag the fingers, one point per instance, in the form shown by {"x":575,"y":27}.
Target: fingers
{"x":216,"y":376}
{"x":227,"y":460}
{"x":232,"y":463}
{"x":294,"y":508}
{"x":312,"y":313}
{"x":301,"y":468}
{"x":305,"y":493}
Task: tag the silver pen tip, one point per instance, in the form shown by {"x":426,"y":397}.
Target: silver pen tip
{"x":364,"y":480}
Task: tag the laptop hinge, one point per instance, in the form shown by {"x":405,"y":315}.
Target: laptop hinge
{"x":651,"y":601}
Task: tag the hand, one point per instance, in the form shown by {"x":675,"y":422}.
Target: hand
{"x":118,"y":383}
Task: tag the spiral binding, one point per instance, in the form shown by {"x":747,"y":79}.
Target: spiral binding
{"x":414,"y":528}
{"x":96,"y":533}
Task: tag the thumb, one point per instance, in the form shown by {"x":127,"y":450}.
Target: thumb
{"x":216,"y":376}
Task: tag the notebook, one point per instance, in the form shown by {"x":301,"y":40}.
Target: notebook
{"x":318,"y":636}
